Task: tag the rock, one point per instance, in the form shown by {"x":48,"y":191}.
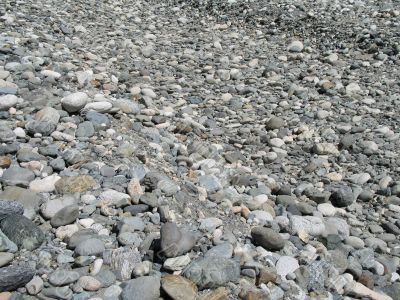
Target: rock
{"x":326,"y":149}
{"x":13,"y":277}
{"x":7,"y":101}
{"x":212,"y":272}
{"x":15,"y":175}
{"x":221,"y":250}
{"x":45,"y":185}
{"x":10,"y":208}
{"x":295,"y":46}
{"x":29,"y":199}
{"x":210,"y":183}
{"x":51,"y":208}
{"x":210,"y":224}
{"x":48,"y":114}
{"x":220,"y":293}
{"x":5,"y":258}
{"x":144,"y":288}
{"x":122,"y":261}
{"x":62,"y":277}
{"x":275,"y":123}
{"x":64,"y":292}
{"x":359,"y":290}
{"x":178,"y":287}
{"x":176,"y":241}
{"x":326,"y":209}
{"x":6,"y":244}
{"x":74,"y":184}
{"x":267,"y":238}
{"x":35,"y":285}
{"x":74,"y":102}
{"x":286,"y":265}
{"x":85,"y":129}
{"x":22,"y":231}
{"x":91,"y":246}
{"x":309,"y":224}
{"x":89,"y":283}
{"x":65,"y":216}
{"x":176,"y":263}
{"x":43,"y":128}
{"x":343,"y":196}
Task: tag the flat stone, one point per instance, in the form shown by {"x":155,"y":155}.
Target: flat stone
{"x":175,"y":241}
{"x":14,"y":277}
{"x":74,"y":184}
{"x":15,"y":175}
{"x":308,"y":224}
{"x":267,"y":238}
{"x":62,"y":277}
{"x":144,"y":288}
{"x":178,"y":287}
{"x":212,"y":272}
{"x":65,"y":216}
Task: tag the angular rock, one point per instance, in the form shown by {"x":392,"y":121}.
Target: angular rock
{"x":176,"y":241}
{"x":13,"y":277}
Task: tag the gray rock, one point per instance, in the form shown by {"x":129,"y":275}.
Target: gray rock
{"x":212,"y":272}
{"x":267,"y":238}
{"x":122,"y":261}
{"x":176,"y":241}
{"x":210,"y":183}
{"x":64,"y":292}
{"x":222,"y":250}
{"x":90,"y":246}
{"x":10,"y":208}
{"x":144,"y":288}
{"x":85,"y":129}
{"x":309,"y":224}
{"x":7,"y":101}
{"x":16,"y":175}
{"x":14,"y":277}
{"x":27,"y":198}
{"x":5,"y":258}
{"x":22,"y":231}
{"x":343,"y":196}
{"x":6,"y":134}
{"x":274,"y":123}
{"x":42,"y":127}
{"x":6,"y":244}
{"x":65,"y":216}
{"x":62,"y":277}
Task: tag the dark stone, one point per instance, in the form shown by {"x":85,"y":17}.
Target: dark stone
{"x":10,"y":208}
{"x":267,"y":238}
{"x":14,"y":277}
{"x":22,"y":231}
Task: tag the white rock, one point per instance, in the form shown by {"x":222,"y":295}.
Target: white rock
{"x":66,"y":231}
{"x":19,"y":132}
{"x":326,"y":209}
{"x":286,"y":265}
{"x":45,"y":185}
{"x":50,"y":73}
{"x":50,"y":208}
{"x":177,"y":263}
{"x":112,"y":197}
{"x":360,"y":178}
{"x":74,"y":102}
{"x":101,"y":106}
{"x":149,"y":93}
{"x":359,"y":290}
{"x":295,"y":46}
{"x":309,"y":224}
{"x":352,"y":88}
{"x":7,"y":101}
{"x":86,"y":222}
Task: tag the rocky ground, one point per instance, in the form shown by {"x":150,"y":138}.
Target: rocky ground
{"x":199,"y":149}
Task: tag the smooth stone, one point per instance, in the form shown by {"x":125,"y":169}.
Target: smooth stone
{"x":176,"y":263}
{"x":306,"y":224}
{"x":5,"y":258}
{"x":89,"y":283}
{"x":62,"y":277}
{"x":65,"y":216}
{"x":45,"y":185}
{"x":144,"y":288}
{"x":22,"y":231}
{"x":267,"y":238}
{"x":35,"y":285}
{"x":222,"y":250}
{"x":178,"y":287}
{"x":176,"y":241}
{"x":13,"y":277}
{"x":212,"y":272}
{"x":343,"y":196}
{"x":74,"y":102}
{"x":295,"y":46}
{"x":6,"y":245}
{"x":51,"y":208}
{"x":91,"y":246}
{"x":48,"y":114}
{"x":286,"y":265}
{"x":326,"y":209}
{"x":7,"y":101}
{"x":64,"y":293}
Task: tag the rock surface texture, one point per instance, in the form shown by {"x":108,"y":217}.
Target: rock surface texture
{"x":199,"y":149}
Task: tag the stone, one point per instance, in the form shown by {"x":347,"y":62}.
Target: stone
{"x":91,"y":246}
{"x":85,"y":129}
{"x":308,"y":224}
{"x":89,"y":283}
{"x":343,"y":196}
{"x":6,"y":244}
{"x":45,"y":185}
{"x":212,"y":272}
{"x":7,"y":101}
{"x":221,"y":250}
{"x":176,"y":241}
{"x":176,"y":263}
{"x":122,"y":261}
{"x":22,"y":231}
{"x":295,"y":46}
{"x":178,"y":287}
{"x":50,"y":208}
{"x":74,"y":102}
{"x":64,"y":293}
{"x":18,"y":176}
{"x":10,"y":208}
{"x":144,"y":288}
{"x":286,"y":265}
{"x":14,"y":277}
{"x":5,"y":258}
{"x":28,"y":199}
{"x":48,"y":114}
{"x":267,"y":238}
{"x":74,"y":184}
{"x":35,"y":285}
{"x":65,"y":216}
{"x":62,"y":277}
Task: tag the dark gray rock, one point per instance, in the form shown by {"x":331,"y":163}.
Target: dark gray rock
{"x":42,"y":127}
{"x":10,"y":208}
{"x":212,"y":272}
{"x":14,"y":277}
{"x":65,"y":216}
{"x":89,"y":247}
{"x":343,"y":196}
{"x":267,"y":238}
{"x":176,"y":241}
{"x":22,"y":232}
{"x":85,"y":129}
